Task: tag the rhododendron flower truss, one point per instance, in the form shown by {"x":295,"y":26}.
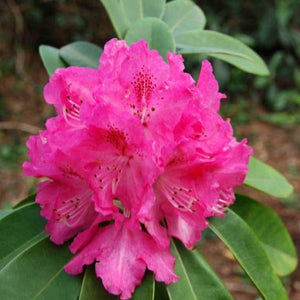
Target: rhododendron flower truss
{"x":137,"y":154}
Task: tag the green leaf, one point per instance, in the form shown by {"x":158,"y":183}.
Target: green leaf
{"x":155,"y":32}
{"x":116,"y":12}
{"x":5,"y":212}
{"x":270,"y":231}
{"x":38,"y":273}
{"x":146,"y":290}
{"x":92,"y":288}
{"x":19,"y":230}
{"x":248,"y":251}
{"x":124,"y":13}
{"x":266,"y":179}
{"x":81,"y":54}
{"x":139,"y":9}
{"x":29,"y":199}
{"x":161,"y":291}
{"x":184,"y":16}
{"x":51,"y":59}
{"x":22,"y":248}
{"x":221,"y":46}
{"x":197,"y":279}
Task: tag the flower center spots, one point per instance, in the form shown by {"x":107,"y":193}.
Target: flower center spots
{"x":117,"y":138}
{"x":69,"y":211}
{"x":71,"y":111}
{"x":143,"y":85}
{"x":179,"y":196}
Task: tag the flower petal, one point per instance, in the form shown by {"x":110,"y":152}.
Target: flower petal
{"x":68,"y":89}
{"x":68,"y":208}
{"x":121,"y":258}
{"x":208,"y":87}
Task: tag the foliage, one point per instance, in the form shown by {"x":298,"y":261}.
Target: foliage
{"x":272,"y":28}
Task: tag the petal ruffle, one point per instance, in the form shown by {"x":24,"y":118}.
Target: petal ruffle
{"x":120,"y":262}
{"x":208,"y":87}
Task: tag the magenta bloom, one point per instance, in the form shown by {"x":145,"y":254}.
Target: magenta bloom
{"x":137,"y":154}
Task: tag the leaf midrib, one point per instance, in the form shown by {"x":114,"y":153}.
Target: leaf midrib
{"x":208,"y":51}
{"x":48,"y":283}
{"x":181,"y":20}
{"x":82,"y":57}
{"x":238,"y":258}
{"x":184,"y":271}
{"x":27,"y":244}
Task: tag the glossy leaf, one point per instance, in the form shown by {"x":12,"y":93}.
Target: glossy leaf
{"x":155,"y":32}
{"x":51,"y":59}
{"x":19,"y":230}
{"x":81,"y":54}
{"x":22,"y":248}
{"x":161,"y":291}
{"x":266,"y":179}
{"x":123,"y":13}
{"x":247,"y":249}
{"x":38,"y":273}
{"x":221,"y":46}
{"x":146,"y":290}
{"x":197,"y":279}
{"x":184,"y":16}
{"x":92,"y":288}
{"x":271,"y":232}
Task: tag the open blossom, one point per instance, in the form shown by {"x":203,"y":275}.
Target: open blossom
{"x":136,"y":155}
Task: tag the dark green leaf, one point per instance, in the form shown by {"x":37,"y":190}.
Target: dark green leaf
{"x":92,"y":288}
{"x":271,"y":232}
{"x":221,"y":46}
{"x":61,"y":286}
{"x":183,"y":16}
{"x":146,"y":290}
{"x":29,"y":199}
{"x":155,"y":32}
{"x":161,"y":291}
{"x":248,"y":251}
{"x":266,"y":179}
{"x":51,"y":59}
{"x":124,"y":13}
{"x":197,"y":279}
{"x":37,"y":273}
{"x":22,"y":248}
{"x":19,"y":230}
{"x":81,"y":54}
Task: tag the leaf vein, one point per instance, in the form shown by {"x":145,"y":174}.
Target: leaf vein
{"x":185,"y":271}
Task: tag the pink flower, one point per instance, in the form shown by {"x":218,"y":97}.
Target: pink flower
{"x":137,"y":154}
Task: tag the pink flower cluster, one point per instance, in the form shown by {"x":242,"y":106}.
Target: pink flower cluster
{"x":136,"y":155}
